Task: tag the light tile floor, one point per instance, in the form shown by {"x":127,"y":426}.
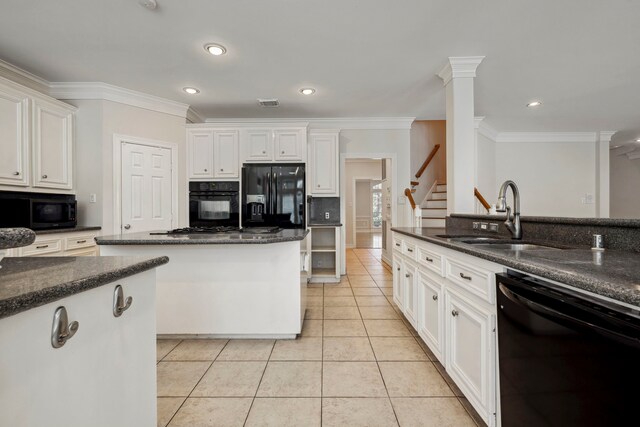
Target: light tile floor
{"x":357,"y":363}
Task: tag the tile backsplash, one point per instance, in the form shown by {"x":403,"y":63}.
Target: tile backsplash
{"x":319,"y":206}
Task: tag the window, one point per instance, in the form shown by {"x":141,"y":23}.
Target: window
{"x":376,"y":201}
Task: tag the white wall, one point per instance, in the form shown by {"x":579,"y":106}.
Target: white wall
{"x":97,"y":123}
{"x":366,"y":169}
{"x":425,"y":134}
{"x":624,"y":185}
{"x":553,"y":177}
{"x":486,"y":170}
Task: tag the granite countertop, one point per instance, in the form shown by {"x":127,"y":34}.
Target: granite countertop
{"x":145,"y":238}
{"x":326,"y":224}
{"x":69,"y":230}
{"x":16,"y":237}
{"x":610,"y":222}
{"x":27,"y":283}
{"x":610,"y":273}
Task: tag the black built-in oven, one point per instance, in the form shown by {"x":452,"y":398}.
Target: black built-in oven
{"x":566,"y":359}
{"x":37,"y":211}
{"x":214,"y":204}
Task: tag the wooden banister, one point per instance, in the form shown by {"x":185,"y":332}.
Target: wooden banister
{"x":481,"y":199}
{"x":407,"y":192}
{"x":426,"y":162}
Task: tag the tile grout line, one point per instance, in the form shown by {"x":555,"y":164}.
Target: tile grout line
{"x":246,"y":418}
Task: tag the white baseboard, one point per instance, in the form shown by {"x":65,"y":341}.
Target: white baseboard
{"x":350,"y":246}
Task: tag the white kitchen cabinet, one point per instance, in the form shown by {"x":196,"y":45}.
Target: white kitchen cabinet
{"x":226,"y":157}
{"x":52,"y":144}
{"x":105,"y":375}
{"x":257,"y":145}
{"x":398,"y":294}
{"x":290,"y":145}
{"x":430,"y":312}
{"x":79,"y":243}
{"x":410,"y":292}
{"x":200,"y":152}
{"x":14,"y":137}
{"x":323,"y":163}
{"x":470,"y":352}
{"x":325,"y":254}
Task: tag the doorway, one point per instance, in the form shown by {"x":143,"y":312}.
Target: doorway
{"x":145,"y":185}
{"x":368,"y":211}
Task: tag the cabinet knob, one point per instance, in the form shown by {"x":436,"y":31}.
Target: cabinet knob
{"x":205,"y":170}
{"x":454,"y":313}
{"x":120,"y":304}
{"x":318,"y":185}
{"x":16,"y":173}
{"x":221,"y":170}
{"x":62,"y":330}
{"x":434,"y":297}
{"x":264,"y":152}
{"x":44,"y":177}
{"x":127,"y":226}
{"x":398,"y":268}
{"x":407,"y":275}
{"x":282,"y":152}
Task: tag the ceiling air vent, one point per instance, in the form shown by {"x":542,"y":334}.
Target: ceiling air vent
{"x":268,"y":102}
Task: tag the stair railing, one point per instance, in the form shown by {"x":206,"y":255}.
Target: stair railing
{"x":481,"y":199}
{"x":407,"y":191}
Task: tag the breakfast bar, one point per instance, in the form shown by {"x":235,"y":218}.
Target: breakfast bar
{"x":235,"y":284}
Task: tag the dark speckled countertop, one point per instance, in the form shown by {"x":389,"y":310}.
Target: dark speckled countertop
{"x":611,"y":273}
{"x":69,"y":230}
{"x":145,"y":238}
{"x":27,"y":283}
{"x":16,"y":237}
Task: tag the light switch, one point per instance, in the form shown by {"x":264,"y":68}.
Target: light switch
{"x":93,"y":198}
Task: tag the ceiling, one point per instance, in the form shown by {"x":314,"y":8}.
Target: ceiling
{"x":374,"y":58}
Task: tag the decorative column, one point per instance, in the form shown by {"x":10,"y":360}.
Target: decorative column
{"x":457,"y":77}
{"x":602,"y":174}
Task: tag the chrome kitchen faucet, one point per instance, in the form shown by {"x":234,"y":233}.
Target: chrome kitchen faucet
{"x":513,"y":226}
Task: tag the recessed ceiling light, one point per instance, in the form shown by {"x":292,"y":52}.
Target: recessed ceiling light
{"x":638,"y":140}
{"x":215,"y":49}
{"x":149,"y":4}
{"x":307,"y":91}
{"x":191,"y":90}
{"x":534,"y":104}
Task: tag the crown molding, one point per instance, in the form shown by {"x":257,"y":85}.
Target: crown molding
{"x":605,"y":136}
{"x":193,"y":116}
{"x":460,"y":66}
{"x":589,"y":137}
{"x":485,"y":128}
{"x":343,"y":123}
{"x":104,"y":91}
{"x":23,"y":77}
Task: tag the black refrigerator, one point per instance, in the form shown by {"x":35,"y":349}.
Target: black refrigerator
{"x":273,"y":195}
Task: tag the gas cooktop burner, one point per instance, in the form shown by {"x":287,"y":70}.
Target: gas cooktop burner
{"x":217,"y":230}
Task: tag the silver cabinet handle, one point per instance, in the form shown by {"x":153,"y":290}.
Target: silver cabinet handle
{"x":81,"y":241}
{"x":398,"y":244}
{"x":409,"y":250}
{"x":62,"y":330}
{"x":465,"y":277}
{"x":434,"y":297}
{"x":127,"y":226}
{"x":16,"y":173}
{"x":44,"y":177}
{"x":120,"y":305}
{"x":428,"y":259}
{"x":454,"y":313}
{"x":407,"y":275}
{"x":42,"y":246}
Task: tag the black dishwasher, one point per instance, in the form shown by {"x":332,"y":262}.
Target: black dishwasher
{"x":566,"y":358}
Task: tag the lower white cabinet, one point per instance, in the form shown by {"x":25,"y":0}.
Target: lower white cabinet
{"x":470,"y":350}
{"x":104,"y":375}
{"x":398,"y":294}
{"x":410,"y":293}
{"x":430,"y":313}
{"x":80,"y":243}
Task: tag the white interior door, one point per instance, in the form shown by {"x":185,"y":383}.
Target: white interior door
{"x":146,"y":188}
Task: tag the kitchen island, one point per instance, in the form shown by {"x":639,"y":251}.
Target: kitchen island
{"x":234,"y":284}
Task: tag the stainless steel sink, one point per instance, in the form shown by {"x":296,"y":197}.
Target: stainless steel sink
{"x":489,"y":242}
{"x":513,"y":246}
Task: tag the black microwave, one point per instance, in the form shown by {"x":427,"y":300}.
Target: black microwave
{"x":37,"y":211}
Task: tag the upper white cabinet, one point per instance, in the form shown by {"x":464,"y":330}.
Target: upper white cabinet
{"x":266,"y":144}
{"x":52,"y":145}
{"x":290,"y":144}
{"x":14,"y":137}
{"x":226,"y":154}
{"x":213,"y":154}
{"x":36,"y":139}
{"x":323,"y":163}
{"x":200,"y":147}
{"x":258,"y":145}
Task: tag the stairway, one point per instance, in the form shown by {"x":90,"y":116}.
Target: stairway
{"x":434,"y":210}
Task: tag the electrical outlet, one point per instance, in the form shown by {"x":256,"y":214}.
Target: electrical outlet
{"x":493,"y":227}
{"x":484,"y":226}
{"x":93,"y":198}
{"x":476,"y":225}
{"x":326,"y":215}
{"x":587,"y":199}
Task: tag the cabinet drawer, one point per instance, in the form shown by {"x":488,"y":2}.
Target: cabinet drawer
{"x":397,"y":244}
{"x":40,"y":247}
{"x":82,"y":252}
{"x":78,"y":242}
{"x":431,"y":260}
{"x":474,"y":279}
{"x":409,"y":250}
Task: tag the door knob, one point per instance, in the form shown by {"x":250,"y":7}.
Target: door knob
{"x":44,"y":177}
{"x":62,"y":330}
{"x":127,"y":226}
{"x":120,"y":305}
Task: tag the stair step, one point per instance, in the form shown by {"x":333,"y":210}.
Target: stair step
{"x":414,"y":183}
{"x":434,"y":212}
{"x":441,"y":188}
{"x":438,"y":196}
{"x":433,"y":222}
{"x":442,"y":204}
